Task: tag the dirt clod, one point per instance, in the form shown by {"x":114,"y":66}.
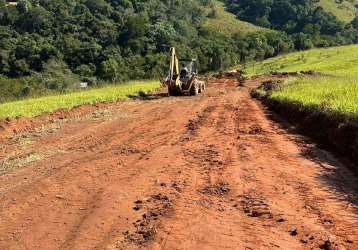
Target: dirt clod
{"x":157,"y":206}
{"x":255,"y":206}
{"x":293,"y":231}
{"x":218,"y":189}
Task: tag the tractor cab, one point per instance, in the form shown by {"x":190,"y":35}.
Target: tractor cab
{"x":188,"y":68}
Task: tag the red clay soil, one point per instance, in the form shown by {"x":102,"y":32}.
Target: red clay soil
{"x":205,"y":172}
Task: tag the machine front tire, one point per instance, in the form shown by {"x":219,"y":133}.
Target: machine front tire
{"x":194,"y":89}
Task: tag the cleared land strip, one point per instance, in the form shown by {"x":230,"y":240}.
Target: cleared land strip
{"x":210,"y":172}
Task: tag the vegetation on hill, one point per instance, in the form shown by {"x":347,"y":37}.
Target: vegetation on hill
{"x":344,"y":10}
{"x":307,"y":24}
{"x":225,"y":22}
{"x":339,"y":61}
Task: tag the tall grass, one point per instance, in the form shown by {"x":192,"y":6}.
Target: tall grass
{"x":332,"y":95}
{"x":36,"y":106}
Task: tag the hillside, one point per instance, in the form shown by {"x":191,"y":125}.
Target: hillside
{"x":344,"y":10}
{"x":341,"y":61}
{"x":220,"y":20}
{"x":305,"y":21}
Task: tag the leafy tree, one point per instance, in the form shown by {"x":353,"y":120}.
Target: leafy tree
{"x":355,"y":23}
{"x":108,"y":70}
{"x":36,"y":20}
{"x":85,"y":70}
{"x":23,"y":6}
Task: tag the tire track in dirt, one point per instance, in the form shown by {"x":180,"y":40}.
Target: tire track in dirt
{"x":204,"y":217}
{"x":131,"y":175}
{"x":260,"y":150}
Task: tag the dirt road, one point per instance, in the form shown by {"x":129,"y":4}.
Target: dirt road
{"x":206,"y":172}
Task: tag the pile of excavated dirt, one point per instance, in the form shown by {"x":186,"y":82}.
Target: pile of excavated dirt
{"x":238,"y":75}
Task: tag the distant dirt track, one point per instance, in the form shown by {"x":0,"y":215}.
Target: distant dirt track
{"x":205,"y":172}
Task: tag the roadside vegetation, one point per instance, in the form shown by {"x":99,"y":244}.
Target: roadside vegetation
{"x":324,"y":104}
{"x":335,"y":96}
{"x":333,"y":87}
{"x":111,"y":93}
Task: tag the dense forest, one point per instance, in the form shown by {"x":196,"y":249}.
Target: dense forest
{"x":52,"y":45}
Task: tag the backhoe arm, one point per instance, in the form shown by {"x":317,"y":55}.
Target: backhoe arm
{"x":174,"y":67}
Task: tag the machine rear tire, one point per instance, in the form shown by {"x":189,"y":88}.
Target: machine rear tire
{"x":173,"y":92}
{"x":202,"y":88}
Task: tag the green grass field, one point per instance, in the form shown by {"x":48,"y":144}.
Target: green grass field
{"x":334,"y":92}
{"x":36,"y":106}
{"x":344,"y":11}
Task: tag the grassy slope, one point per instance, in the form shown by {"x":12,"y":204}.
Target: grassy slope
{"x":341,"y":61}
{"x":334,"y":93}
{"x":37,"y":106}
{"x":345,"y":11}
{"x":227,"y":23}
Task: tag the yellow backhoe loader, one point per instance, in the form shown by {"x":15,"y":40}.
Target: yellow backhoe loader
{"x":182,"y":79}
